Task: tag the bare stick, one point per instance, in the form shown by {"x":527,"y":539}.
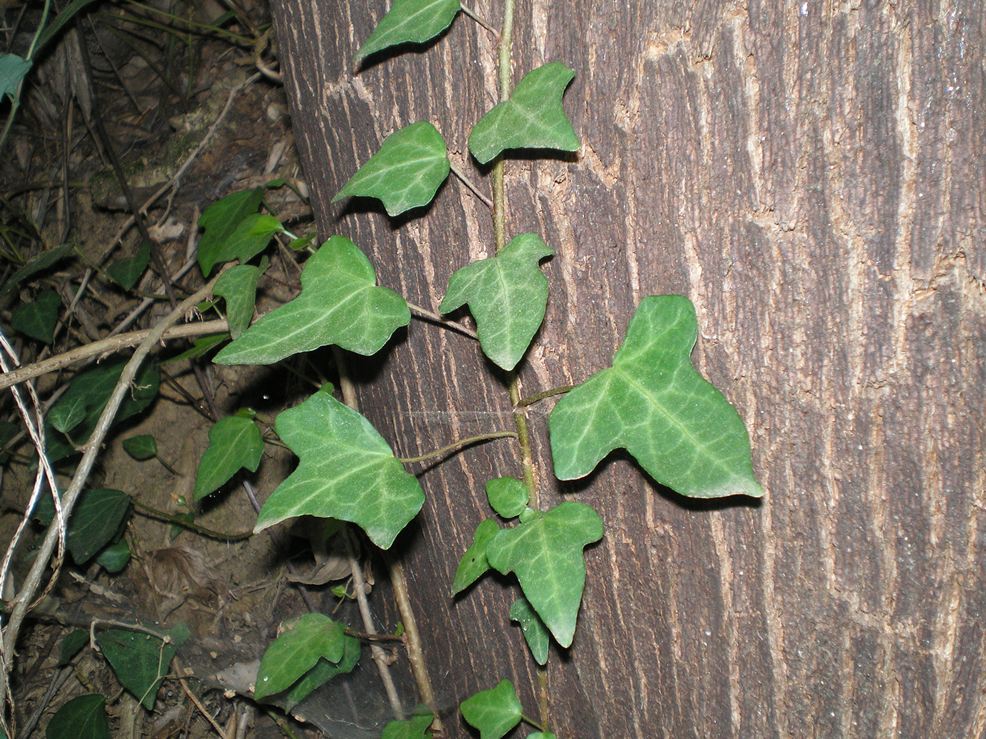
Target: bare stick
{"x":92,"y":448}
{"x":106,"y":346}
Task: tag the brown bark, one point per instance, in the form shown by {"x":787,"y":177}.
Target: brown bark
{"x":811,"y":175}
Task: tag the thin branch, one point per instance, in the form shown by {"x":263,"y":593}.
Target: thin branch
{"x":146,"y":510}
{"x":440,"y":320}
{"x":471,"y":185}
{"x":455,"y":445}
{"x":106,"y":346}
{"x":478,"y":18}
{"x":543,"y":395}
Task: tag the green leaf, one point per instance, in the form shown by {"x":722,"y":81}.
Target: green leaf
{"x":533,"y":628}
{"x":238,"y":286}
{"x":541,"y":735}
{"x":508,"y":496}
{"x":311,"y":637}
{"x":494,"y":712}
{"x":114,"y":557}
{"x":72,"y":644}
{"x":533,"y":117}
{"x":653,"y":403}
{"x":13,"y":69}
{"x":126,"y":272}
{"x":78,"y":410}
{"x":37,"y":319}
{"x":339,"y":304}
{"x":250,"y":237}
{"x":95,"y":522}
{"x":221,"y":219}
{"x":39,"y":264}
{"x":507,"y":295}
{"x":141,"y":447}
{"x":347,"y":471}
{"x":409,"y":22}
{"x":139,"y":661}
{"x":415,"y":727}
{"x":235,"y":443}
{"x":405,"y":173}
{"x":67,"y":13}
{"x":81,"y":718}
{"x":322,"y":672}
{"x":200,"y":347}
{"x":546,"y":555}
{"x":473,"y":564}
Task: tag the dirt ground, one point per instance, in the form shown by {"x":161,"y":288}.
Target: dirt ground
{"x":193,"y":112}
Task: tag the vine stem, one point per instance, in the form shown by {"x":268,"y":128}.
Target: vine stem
{"x":504,"y":74}
{"x":439,"y":320}
{"x":478,"y":18}
{"x":544,"y":395}
{"x":146,"y":510}
{"x":471,"y":185}
{"x":398,"y":582}
{"x":468,"y":441}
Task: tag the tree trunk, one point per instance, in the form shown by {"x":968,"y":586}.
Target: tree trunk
{"x":809,"y":174}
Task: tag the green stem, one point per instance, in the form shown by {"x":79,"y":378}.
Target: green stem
{"x":15,"y":101}
{"x":544,"y":395}
{"x":478,"y":18}
{"x":468,"y":441}
{"x":149,"y":512}
{"x":536,"y":724}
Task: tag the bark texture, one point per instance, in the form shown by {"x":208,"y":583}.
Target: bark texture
{"x":811,"y":175}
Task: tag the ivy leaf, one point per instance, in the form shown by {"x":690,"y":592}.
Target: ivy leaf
{"x":37,"y":319}
{"x":541,"y":735}
{"x":347,"y":471}
{"x":126,"y":272}
{"x":139,"y":661}
{"x":508,"y":496}
{"x":310,"y":638}
{"x":507,"y":295}
{"x":221,"y":219}
{"x":653,"y":403}
{"x":13,"y":69}
{"x":235,"y":443}
{"x":72,"y":644}
{"x":95,"y":521}
{"x":409,"y":22}
{"x":81,"y":718}
{"x":200,"y":347}
{"x":415,"y":727}
{"x":250,"y":237}
{"x":474,"y":564}
{"x":546,"y":555}
{"x":324,"y":671}
{"x":494,"y":712}
{"x":39,"y":264}
{"x":114,"y":557}
{"x":141,"y":448}
{"x":238,"y":286}
{"x":405,"y":173}
{"x":533,"y":117}
{"x":339,"y":304}
{"x":533,"y":629}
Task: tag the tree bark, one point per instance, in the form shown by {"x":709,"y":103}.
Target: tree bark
{"x":811,"y":175}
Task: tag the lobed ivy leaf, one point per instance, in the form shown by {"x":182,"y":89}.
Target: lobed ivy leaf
{"x":13,"y":69}
{"x":546,"y":555}
{"x":494,"y":712}
{"x":297,"y":650}
{"x":37,"y":319}
{"x":415,"y":727}
{"x":221,"y":219}
{"x":508,"y":496}
{"x":474,"y":564}
{"x":405,"y":173}
{"x":533,"y":628}
{"x":653,"y":403}
{"x":322,"y":672}
{"x":139,"y":661}
{"x":141,"y":447}
{"x":347,"y":471}
{"x":95,"y":520}
{"x":532,"y":118}
{"x":409,"y":22}
{"x":507,"y":295}
{"x":238,"y":287}
{"x":83,"y":717}
{"x":235,"y":443}
{"x":125,"y":272}
{"x":339,"y":304}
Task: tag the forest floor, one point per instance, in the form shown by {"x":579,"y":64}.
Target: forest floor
{"x":191,"y":110}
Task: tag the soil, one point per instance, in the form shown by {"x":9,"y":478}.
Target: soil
{"x":158,"y":91}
